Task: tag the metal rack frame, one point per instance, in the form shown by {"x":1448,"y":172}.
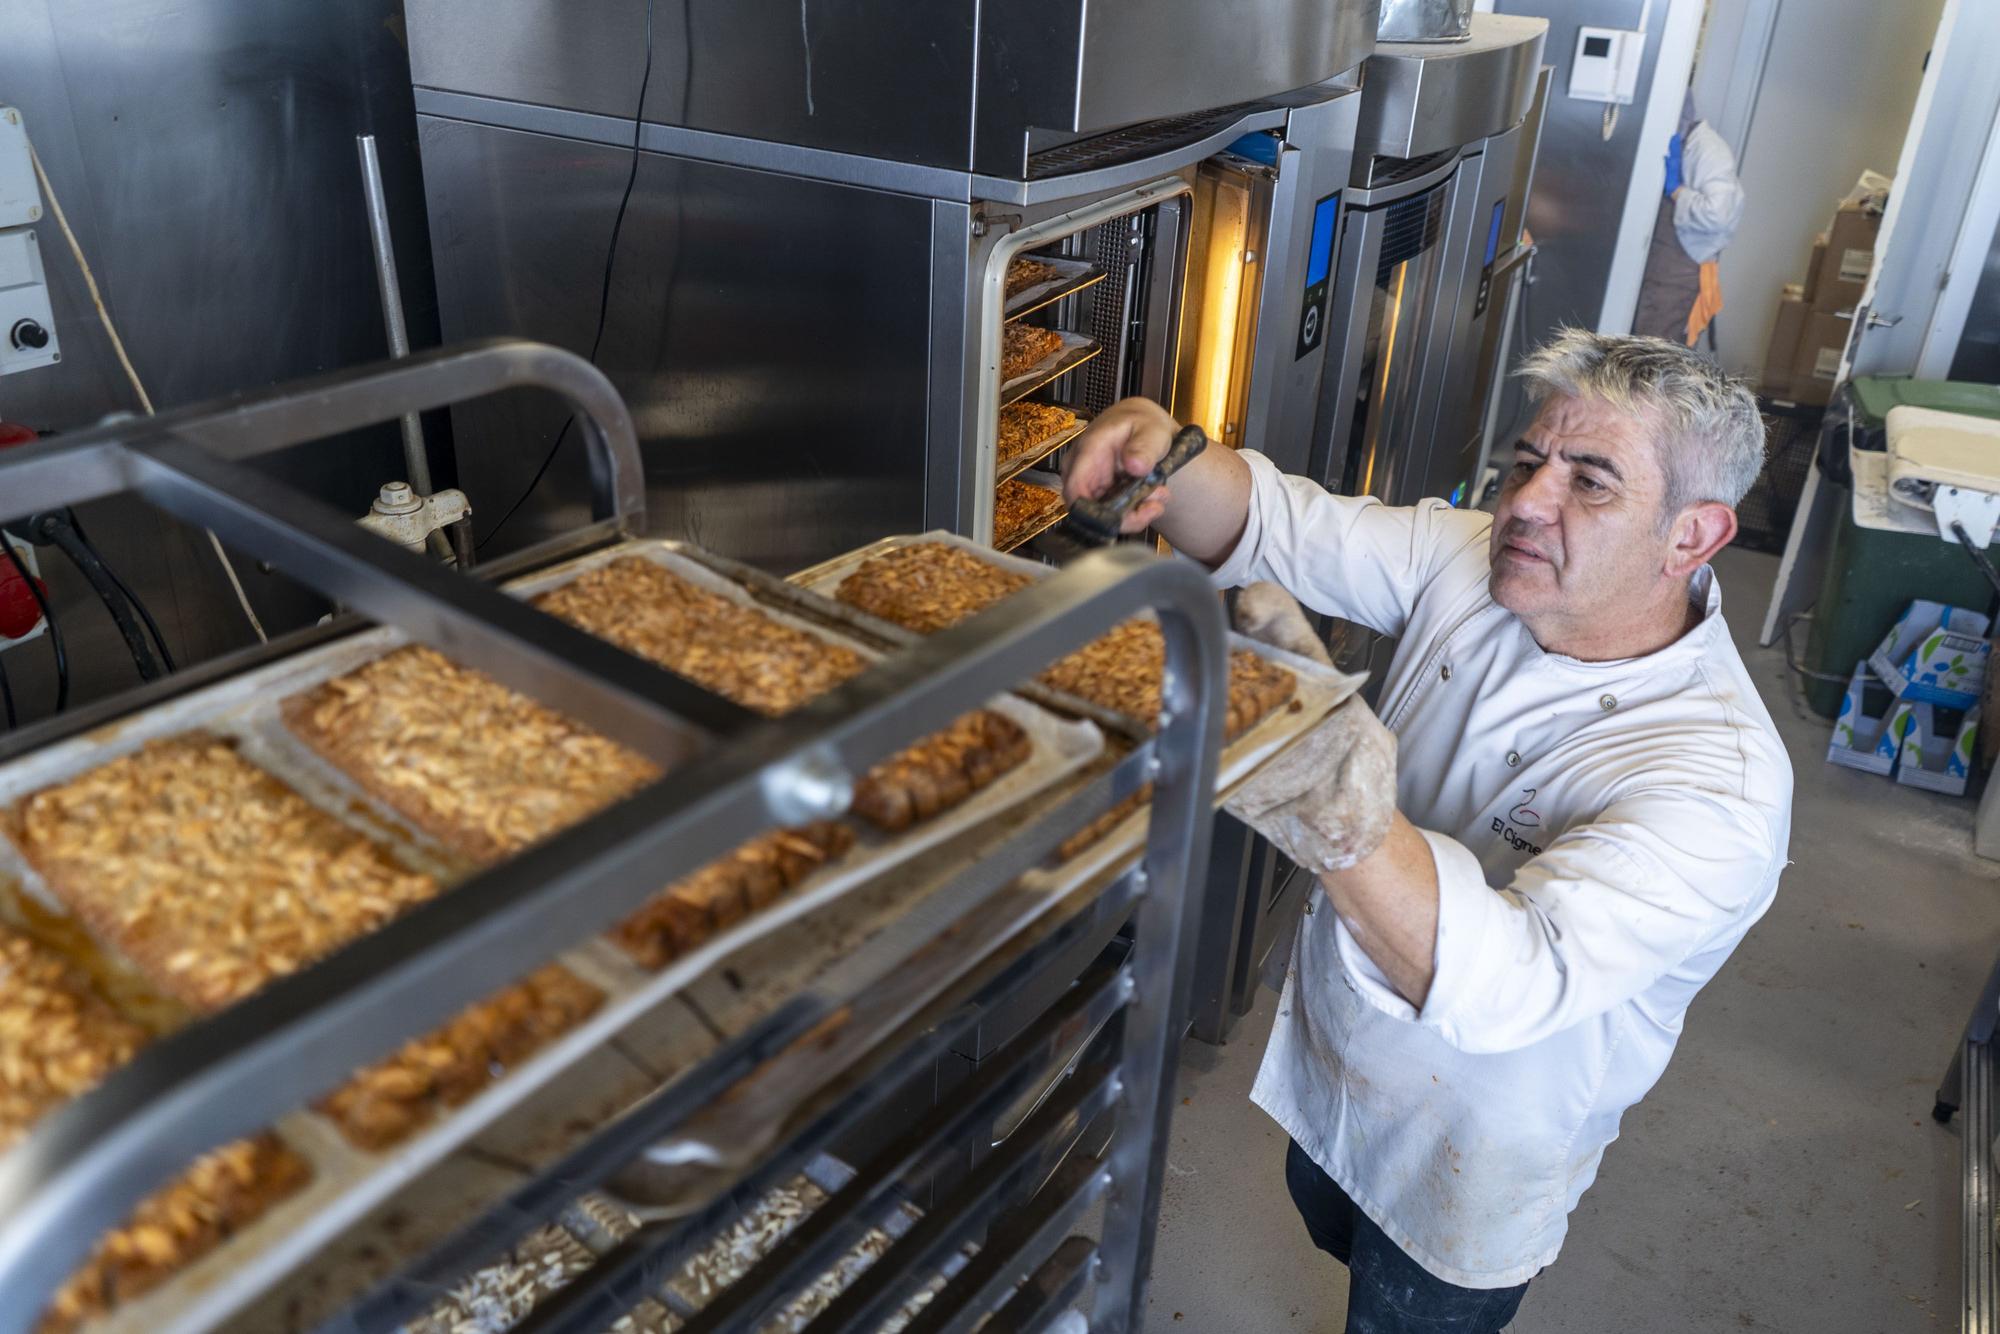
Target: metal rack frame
{"x":728,"y":776}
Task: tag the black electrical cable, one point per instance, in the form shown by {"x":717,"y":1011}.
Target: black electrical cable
{"x":7,"y":696}
{"x":54,"y":528}
{"x":55,"y":628}
{"x":152,"y":626}
{"x":604,"y":293}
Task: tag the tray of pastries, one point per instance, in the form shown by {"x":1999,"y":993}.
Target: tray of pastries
{"x":194,"y":852}
{"x":926,"y":583}
{"x":1022,"y":509}
{"x":1029,"y":432}
{"x":1030,"y":357}
{"x":1033,"y":281}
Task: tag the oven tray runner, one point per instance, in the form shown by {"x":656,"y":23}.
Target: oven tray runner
{"x":1320,"y":691}
{"x":348,"y":1182}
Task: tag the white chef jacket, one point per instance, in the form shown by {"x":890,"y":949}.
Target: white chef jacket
{"x":1604,"y":834}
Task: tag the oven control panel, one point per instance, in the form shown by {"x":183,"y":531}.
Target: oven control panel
{"x":1319,"y":276}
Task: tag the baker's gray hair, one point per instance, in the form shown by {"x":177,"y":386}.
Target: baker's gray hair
{"x":1707,"y":428}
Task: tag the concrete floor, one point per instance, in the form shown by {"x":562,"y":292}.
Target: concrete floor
{"x":1785,"y":1175}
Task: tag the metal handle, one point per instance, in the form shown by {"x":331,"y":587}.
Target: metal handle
{"x":1101,"y":519}
{"x":1877,"y":322}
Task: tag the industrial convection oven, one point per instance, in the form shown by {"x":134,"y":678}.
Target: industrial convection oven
{"x":813,"y":303}
{"x":719,"y":1112}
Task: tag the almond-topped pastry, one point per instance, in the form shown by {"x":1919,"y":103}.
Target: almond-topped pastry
{"x":487,"y":771}
{"x":483,"y":769}
{"x":207,"y":873}
{"x":1025,"y":425}
{"x":1026,"y":272}
{"x":1023,"y":345}
{"x":1019,"y":506}
{"x":764,"y":664}
{"x":927,"y":586}
{"x":59,"y":1038}
{"x":212,"y":878}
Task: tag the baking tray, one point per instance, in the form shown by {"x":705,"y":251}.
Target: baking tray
{"x":1040,"y":450}
{"x":1028,"y":532}
{"x":1321,"y":689}
{"x":348,"y":1182}
{"x":1075,"y":350}
{"x":1071,"y":277}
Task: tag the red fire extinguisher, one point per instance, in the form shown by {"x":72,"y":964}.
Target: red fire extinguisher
{"x":19,"y":615}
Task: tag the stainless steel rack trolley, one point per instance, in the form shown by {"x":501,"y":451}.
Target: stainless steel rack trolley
{"x":770,"y":1098}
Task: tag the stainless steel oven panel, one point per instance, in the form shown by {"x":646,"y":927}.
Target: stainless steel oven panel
{"x":781,"y":399}
{"x":970,"y":81}
{"x":1314,"y":162}
{"x":1456,"y":450}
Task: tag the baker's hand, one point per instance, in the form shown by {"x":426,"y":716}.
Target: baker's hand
{"x":1126,"y":440}
{"x":1328,"y":801}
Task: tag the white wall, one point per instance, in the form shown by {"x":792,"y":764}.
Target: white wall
{"x":1836,"y":99}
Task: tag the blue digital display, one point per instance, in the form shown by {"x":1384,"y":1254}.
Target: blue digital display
{"x":1493,"y":230}
{"x":1319,"y":260}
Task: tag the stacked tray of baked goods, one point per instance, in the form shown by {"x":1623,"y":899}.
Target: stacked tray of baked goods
{"x":1033,"y":358}
{"x":929,"y":583}
{"x":201,"y":851}
{"x":520,"y":952}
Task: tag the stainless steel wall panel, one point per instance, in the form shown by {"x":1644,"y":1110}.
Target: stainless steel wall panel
{"x":772,"y":336}
{"x":876,"y":77}
{"x":204,"y":152}
{"x":1579,"y":193}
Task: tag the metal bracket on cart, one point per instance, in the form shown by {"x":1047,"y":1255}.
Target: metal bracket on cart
{"x":810,"y":1065}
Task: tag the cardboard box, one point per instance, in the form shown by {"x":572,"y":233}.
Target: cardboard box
{"x":1816,"y":364}
{"x":1859,"y":739}
{"x":1842,"y":270}
{"x":1934,"y":654}
{"x":1932,"y":756}
{"x":1810,"y":287}
{"x":1783,"y":349}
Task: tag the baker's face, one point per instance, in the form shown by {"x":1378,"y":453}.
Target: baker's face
{"x":1577,"y":543}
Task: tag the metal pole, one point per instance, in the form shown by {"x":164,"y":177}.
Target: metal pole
{"x":414,"y":458}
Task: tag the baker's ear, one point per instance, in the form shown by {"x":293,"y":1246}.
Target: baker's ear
{"x":1699,"y":532}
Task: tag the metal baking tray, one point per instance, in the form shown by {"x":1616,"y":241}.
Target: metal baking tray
{"x":1071,"y":277}
{"x":1040,"y":450}
{"x":1036,"y":528}
{"x":348,"y":1182}
{"x":1321,"y":689}
{"x":1075,"y":350}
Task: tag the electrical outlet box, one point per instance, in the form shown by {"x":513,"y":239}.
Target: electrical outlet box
{"x":20,"y":617}
{"x":1606,"y":65}
{"x":20,"y":197}
{"x":27,"y":321}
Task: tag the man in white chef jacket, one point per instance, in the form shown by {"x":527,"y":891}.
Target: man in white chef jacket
{"x":1591,"y":808}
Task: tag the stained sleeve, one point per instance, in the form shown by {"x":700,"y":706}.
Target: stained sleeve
{"x":1595,"y":919}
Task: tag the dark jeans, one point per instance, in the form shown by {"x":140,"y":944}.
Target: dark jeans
{"x":1388,"y":1292}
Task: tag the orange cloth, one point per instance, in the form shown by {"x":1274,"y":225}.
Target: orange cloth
{"x":1707,"y":303}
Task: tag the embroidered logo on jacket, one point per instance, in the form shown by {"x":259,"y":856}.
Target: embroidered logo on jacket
{"x":1522,"y":816}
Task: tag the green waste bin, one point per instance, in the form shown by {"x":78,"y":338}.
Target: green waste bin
{"x":1871,"y":576}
